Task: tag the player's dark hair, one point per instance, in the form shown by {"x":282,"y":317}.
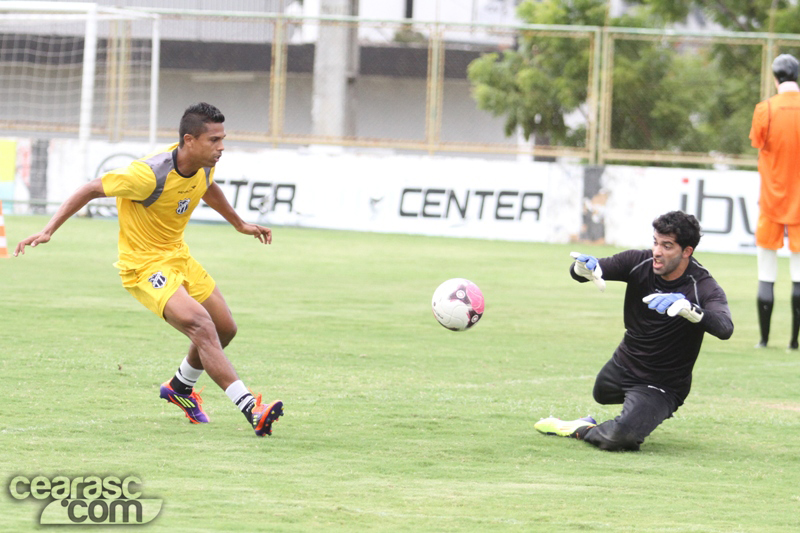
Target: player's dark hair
{"x":785,"y":68}
{"x":685,"y":228}
{"x":196,"y":117}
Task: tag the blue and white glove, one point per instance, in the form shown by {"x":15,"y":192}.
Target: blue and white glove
{"x":588,"y":267}
{"x":673,"y":303}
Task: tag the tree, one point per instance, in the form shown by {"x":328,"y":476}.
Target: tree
{"x":728,"y":108}
{"x":667,"y":96}
{"x":537,"y":85}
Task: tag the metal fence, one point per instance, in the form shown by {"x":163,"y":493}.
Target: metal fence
{"x":697,"y":103}
{"x":62,"y":75}
{"x":642,"y":95}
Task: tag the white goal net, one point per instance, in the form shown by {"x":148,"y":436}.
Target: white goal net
{"x":77,"y":69}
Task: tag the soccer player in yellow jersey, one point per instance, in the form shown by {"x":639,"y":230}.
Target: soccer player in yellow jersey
{"x":155,"y":198}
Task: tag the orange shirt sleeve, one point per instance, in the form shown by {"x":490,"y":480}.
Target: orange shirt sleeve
{"x":760,"y":126}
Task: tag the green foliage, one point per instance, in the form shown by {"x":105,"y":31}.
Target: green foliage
{"x":392,"y":423}
{"x":736,"y":15}
{"x":666,"y":95}
{"x":536,"y":86}
{"x":787,"y":19}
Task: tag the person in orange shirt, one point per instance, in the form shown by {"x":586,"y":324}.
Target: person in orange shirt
{"x":776,"y":133}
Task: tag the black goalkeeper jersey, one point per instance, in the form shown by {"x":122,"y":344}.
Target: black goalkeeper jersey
{"x":659,"y":349}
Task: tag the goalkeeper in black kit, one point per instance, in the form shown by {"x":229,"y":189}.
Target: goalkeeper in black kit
{"x":671,"y":301}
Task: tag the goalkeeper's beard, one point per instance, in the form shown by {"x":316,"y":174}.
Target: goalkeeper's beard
{"x":664,"y":267}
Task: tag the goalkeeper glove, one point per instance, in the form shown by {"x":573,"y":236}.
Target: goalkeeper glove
{"x":673,"y":303}
{"x":588,"y":267}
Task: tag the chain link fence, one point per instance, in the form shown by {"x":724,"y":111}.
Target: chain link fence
{"x":681,"y":98}
{"x":42,"y":74}
{"x":595,"y":94}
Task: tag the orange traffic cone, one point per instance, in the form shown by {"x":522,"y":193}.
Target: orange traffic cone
{"x":3,"y":242}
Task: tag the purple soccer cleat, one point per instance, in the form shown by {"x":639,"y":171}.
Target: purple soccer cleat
{"x":190,"y":403}
{"x":265,"y":415}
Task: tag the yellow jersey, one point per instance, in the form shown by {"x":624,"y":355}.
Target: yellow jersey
{"x":154,"y":203}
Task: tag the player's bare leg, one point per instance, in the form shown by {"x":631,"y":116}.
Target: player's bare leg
{"x":206,"y":326}
{"x":226,"y":327}
{"x":191,"y":368}
{"x":186,"y":315}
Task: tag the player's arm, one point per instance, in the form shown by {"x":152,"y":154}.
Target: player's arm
{"x":587,"y":268}
{"x":215,"y":199}
{"x":759,"y":126}
{"x":717,"y":318}
{"x":73,"y":204}
{"x":714,"y":317}
{"x":618,"y":267}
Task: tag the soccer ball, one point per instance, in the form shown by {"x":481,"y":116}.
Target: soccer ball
{"x":457,"y":304}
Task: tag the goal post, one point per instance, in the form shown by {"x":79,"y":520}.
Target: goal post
{"x":78,"y":69}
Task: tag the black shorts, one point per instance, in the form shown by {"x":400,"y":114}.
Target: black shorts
{"x":644,"y":407}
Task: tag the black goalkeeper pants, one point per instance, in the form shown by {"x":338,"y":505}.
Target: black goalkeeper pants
{"x":644,"y":407}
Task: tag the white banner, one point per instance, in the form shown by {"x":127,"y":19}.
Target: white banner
{"x":397,"y":194}
{"x":724,"y":201}
{"x":453,"y":197}
{"x":458,"y":197}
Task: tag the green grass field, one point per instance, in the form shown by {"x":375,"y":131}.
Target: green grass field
{"x":392,"y":423}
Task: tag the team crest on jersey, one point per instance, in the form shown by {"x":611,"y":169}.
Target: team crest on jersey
{"x":183,"y":205}
{"x":158,"y":280}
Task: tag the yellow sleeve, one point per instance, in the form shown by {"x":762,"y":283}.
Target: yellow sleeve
{"x":134,"y":182}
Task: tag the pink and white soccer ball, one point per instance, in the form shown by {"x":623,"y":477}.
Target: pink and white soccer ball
{"x":457,"y":304}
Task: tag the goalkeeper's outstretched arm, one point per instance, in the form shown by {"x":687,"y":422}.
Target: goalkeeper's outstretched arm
{"x":587,"y":268}
{"x":717,"y":319}
{"x":714,"y":317}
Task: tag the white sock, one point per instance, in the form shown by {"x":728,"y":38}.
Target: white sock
{"x":794,"y":267}
{"x":240,"y":396}
{"x":767,"y":261}
{"x":187,"y":374}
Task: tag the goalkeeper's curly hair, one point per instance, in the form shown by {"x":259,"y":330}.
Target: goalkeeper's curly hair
{"x":685,"y":227}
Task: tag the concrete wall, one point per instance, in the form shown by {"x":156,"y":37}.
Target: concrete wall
{"x":388,"y":108}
